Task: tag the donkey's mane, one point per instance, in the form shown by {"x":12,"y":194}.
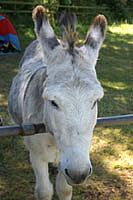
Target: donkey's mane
{"x":68,"y":24}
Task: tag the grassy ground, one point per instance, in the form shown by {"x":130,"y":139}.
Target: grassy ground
{"x":112,"y":148}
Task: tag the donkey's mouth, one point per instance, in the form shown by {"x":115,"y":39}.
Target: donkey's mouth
{"x":74,"y":181}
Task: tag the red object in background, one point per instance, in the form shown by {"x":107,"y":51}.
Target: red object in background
{"x":6,"y":26}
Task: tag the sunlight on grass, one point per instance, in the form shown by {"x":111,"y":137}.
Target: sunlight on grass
{"x":125,"y":159}
{"x":115,"y":85}
{"x":122,"y":29}
{"x":131,"y":42}
{"x":113,"y":147}
{"x":116,"y":48}
{"x":3,"y":100}
{"x":121,"y":99}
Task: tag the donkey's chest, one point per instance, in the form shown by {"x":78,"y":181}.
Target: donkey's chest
{"x":44,"y":146}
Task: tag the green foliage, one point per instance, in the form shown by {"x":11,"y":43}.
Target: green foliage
{"x":118,"y":8}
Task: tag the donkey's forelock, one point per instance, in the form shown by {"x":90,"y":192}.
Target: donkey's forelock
{"x":68,"y":24}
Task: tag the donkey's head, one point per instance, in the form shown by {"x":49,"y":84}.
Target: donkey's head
{"x":71,"y":90}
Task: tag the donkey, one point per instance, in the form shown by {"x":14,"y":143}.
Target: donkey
{"x":57,"y":85}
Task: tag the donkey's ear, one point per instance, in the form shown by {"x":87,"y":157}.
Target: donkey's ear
{"x":44,"y":30}
{"x":96,"y":34}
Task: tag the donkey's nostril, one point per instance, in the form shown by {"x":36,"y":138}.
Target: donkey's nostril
{"x":90,"y":171}
{"x":76,"y":177}
{"x":67,"y":173}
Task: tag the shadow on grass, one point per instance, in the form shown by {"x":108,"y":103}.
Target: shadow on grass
{"x":16,"y":176}
{"x":105,"y":185}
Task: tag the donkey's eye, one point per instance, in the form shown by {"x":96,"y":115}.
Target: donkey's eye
{"x":54,"y":104}
{"x":94,"y":104}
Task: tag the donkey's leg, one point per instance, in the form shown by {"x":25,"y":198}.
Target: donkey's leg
{"x":63,"y":190}
{"x":43,"y":188}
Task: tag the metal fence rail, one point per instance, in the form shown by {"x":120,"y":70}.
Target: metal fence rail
{"x":115,"y":120}
{"x":26,"y":129}
{"x":32,"y":129}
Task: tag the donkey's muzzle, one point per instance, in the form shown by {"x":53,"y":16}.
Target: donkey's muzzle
{"x":73,"y":177}
{"x":75,"y":164}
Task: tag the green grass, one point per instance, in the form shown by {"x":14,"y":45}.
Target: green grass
{"x":112,"y":148}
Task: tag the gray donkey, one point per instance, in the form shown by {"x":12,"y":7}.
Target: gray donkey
{"x":57,"y":85}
